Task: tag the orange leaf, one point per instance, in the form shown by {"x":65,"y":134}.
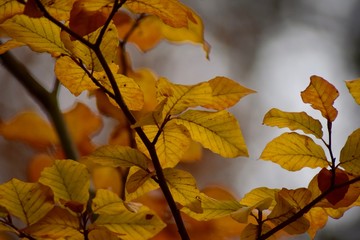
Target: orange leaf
{"x":321,"y":95}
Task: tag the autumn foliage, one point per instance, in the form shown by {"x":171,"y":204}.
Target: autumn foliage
{"x":130,"y":187}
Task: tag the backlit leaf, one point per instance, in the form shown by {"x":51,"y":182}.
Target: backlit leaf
{"x":226,"y":93}
{"x":217,"y":131}
{"x":258,"y":195}
{"x":318,"y":219}
{"x":27,"y":201}
{"x":251,"y":232}
{"x":138,"y":183}
{"x":183,"y":188}
{"x":321,"y":95}
{"x":58,"y":223}
{"x":59,"y":9}
{"x":171,"y":12}
{"x":293,"y":152}
{"x":350,"y":153}
{"x":9,"y":8}
{"x":130,"y":225}
{"x":171,"y":145}
{"x":39,"y":34}
{"x":283,"y":210}
{"x":12,"y":43}
{"x":243,"y":213}
{"x":118,"y":156}
{"x":354,"y":89}
{"x":180,"y":97}
{"x":102,"y":234}
{"x":69,"y":180}
{"x":297,"y":198}
{"x":40,"y":135}
{"x":107,"y":202}
{"x":213,"y":208}
{"x":293,"y":121}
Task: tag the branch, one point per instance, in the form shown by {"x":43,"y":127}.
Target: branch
{"x":46,"y":99}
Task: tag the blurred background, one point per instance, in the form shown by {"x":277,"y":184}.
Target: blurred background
{"x":270,"y":46}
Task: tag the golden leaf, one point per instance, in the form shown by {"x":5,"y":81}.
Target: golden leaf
{"x":12,"y":43}
{"x":69,"y":180}
{"x":40,"y":34}
{"x":27,"y":201}
{"x":243,"y":213}
{"x":181,"y":97}
{"x":107,"y":202}
{"x":171,"y":12}
{"x":118,"y":156}
{"x":317,"y":218}
{"x":226,"y":93}
{"x":97,"y":234}
{"x":59,"y":9}
{"x":140,"y":182}
{"x":171,"y":144}
{"x":258,"y":195}
{"x":183,"y":188}
{"x":107,"y":178}
{"x":350,"y":153}
{"x":321,"y":95}
{"x":293,"y":152}
{"x":58,"y":223}
{"x":131,"y":225}
{"x":213,"y":208}
{"x":354,"y":89}
{"x":251,"y":232}
{"x":284,"y":210}
{"x":9,"y":8}
{"x":217,"y":131}
{"x":293,"y":121}
{"x":40,"y":135}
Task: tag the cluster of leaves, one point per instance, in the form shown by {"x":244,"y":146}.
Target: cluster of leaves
{"x":159,"y":124}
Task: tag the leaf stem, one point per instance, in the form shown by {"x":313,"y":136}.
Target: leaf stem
{"x":46,"y":99}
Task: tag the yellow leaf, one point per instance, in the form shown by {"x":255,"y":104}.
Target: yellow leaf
{"x":193,"y":32}
{"x":284,"y":210}
{"x":171,"y":144}
{"x":107,"y":178}
{"x":137,"y":179}
{"x":57,"y":224}
{"x":9,"y":8}
{"x":27,"y":201}
{"x":171,"y":12}
{"x":257,"y":195}
{"x":251,"y":232}
{"x":109,"y":47}
{"x":69,"y":180}
{"x":12,"y":43}
{"x":317,"y":218}
{"x":293,"y":152}
{"x":217,"y":131}
{"x":183,"y":188}
{"x":243,"y":213}
{"x":40,"y":135}
{"x":118,"y":156}
{"x":107,"y":202}
{"x":293,"y":121}
{"x":350,"y":153}
{"x":181,"y":97}
{"x":140,"y":182}
{"x":94,"y":5}
{"x":321,"y":95}
{"x":354,"y":89}
{"x":59,"y":9}
{"x":297,"y":198}
{"x":213,"y":208}
{"x":226,"y":93}
{"x":39,"y":34}
{"x":131,"y":225}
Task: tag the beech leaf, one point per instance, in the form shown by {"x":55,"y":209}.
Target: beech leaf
{"x":183,"y":188}
{"x":9,"y":8}
{"x":350,"y":153}
{"x":293,"y":121}
{"x":318,"y":219}
{"x":257,"y":195}
{"x":217,"y":131}
{"x":40,"y":34}
{"x":27,"y":201}
{"x":118,"y":156}
{"x":293,"y":152}
{"x":138,"y":183}
{"x":107,"y":202}
{"x":70,"y":182}
{"x":131,"y":225}
{"x":354,"y":89}
{"x":58,"y":223}
{"x":226,"y":93}
{"x":321,"y":95}
{"x":171,"y":144}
